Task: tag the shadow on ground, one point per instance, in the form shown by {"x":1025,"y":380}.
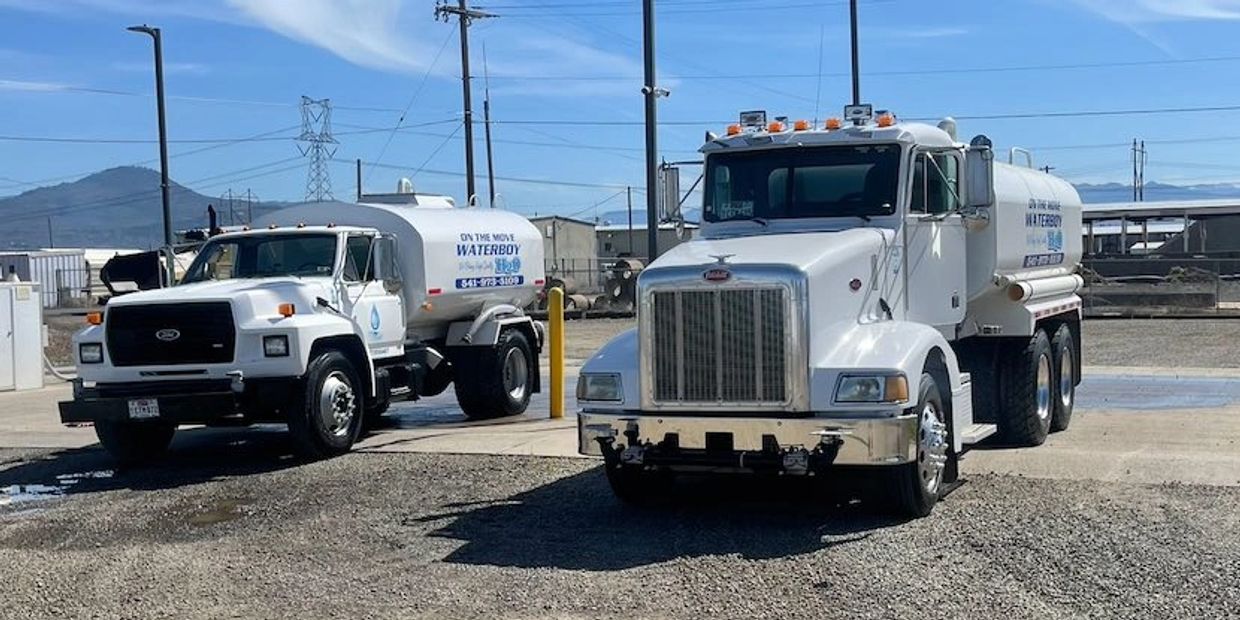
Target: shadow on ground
{"x":575,"y":523}
{"x":196,"y":455}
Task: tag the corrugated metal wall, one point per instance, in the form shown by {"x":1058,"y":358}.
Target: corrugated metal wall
{"x":63,"y":274}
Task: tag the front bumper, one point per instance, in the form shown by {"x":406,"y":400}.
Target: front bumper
{"x":747,"y":443}
{"x":212,"y":402}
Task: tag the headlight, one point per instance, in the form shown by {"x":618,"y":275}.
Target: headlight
{"x":872,"y":389}
{"x":599,"y":387}
{"x":90,"y":353}
{"x":275,"y":346}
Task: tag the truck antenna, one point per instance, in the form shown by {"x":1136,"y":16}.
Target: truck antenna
{"x":856,"y":63}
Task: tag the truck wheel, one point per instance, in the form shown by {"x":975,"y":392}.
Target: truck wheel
{"x":1027,"y":388}
{"x":132,"y":443}
{"x":329,"y":415}
{"x":1064,"y":348}
{"x":495,"y":381}
{"x":917,"y":485}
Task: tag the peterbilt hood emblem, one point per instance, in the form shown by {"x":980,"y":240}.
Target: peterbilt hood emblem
{"x":168,"y":335}
{"x":717,"y":274}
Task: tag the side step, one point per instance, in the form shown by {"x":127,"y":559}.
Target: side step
{"x":975,"y":433}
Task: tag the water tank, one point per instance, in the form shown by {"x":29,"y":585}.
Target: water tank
{"x":21,"y":336}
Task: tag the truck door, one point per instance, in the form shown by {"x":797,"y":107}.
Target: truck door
{"x":378,"y":313}
{"x":934,"y":238}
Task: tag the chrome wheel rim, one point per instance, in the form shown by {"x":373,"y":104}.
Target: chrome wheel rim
{"x":1066,"y":372}
{"x":931,"y":447}
{"x":1044,"y":387}
{"x":516,"y":373}
{"x":337,"y":404}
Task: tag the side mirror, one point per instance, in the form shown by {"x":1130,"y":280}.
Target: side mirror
{"x":387,"y":265}
{"x":980,"y":173}
{"x":669,"y":193}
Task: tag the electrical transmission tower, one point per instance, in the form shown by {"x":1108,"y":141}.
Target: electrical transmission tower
{"x":317,"y":144}
{"x":1139,"y":157}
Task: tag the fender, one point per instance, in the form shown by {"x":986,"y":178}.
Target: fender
{"x":484,"y":330}
{"x":619,"y":357}
{"x":885,"y":346}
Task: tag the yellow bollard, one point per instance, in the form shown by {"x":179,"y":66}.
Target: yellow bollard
{"x":555,"y":320}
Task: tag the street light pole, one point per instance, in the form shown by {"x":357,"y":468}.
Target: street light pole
{"x":164,"y":187}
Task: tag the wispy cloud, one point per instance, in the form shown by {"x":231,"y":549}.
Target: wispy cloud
{"x":32,"y":87}
{"x":1150,"y":11}
{"x":188,"y":68}
{"x":191,"y":9}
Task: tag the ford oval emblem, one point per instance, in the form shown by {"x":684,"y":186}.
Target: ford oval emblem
{"x":168,"y":335}
{"x":718,"y":274}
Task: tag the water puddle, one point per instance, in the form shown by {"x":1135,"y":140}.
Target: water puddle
{"x":221,"y":511}
{"x":1154,"y":393}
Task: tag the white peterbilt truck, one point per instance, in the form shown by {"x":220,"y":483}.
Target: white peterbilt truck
{"x":870,"y":295}
{"x":319,"y":317}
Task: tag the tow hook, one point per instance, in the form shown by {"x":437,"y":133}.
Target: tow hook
{"x":796,"y":462}
{"x":237,"y":385}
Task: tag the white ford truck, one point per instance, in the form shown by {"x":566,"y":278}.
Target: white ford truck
{"x":869,"y":294}
{"x":319,"y":317}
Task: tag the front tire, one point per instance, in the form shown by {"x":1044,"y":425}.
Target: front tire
{"x":1027,"y":388}
{"x":497,"y":381}
{"x":329,"y":416}
{"x":917,"y":485}
{"x":1063,"y":345}
{"x":133,"y":443}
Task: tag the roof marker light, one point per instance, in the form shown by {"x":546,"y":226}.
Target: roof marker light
{"x":801,"y":125}
{"x":734,"y":130}
{"x":775,"y":127}
{"x":886,"y":120}
{"x":833,"y":124}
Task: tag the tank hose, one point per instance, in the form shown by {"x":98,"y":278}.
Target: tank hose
{"x":47,"y":363}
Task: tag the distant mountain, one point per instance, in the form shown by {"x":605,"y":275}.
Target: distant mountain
{"x":116,"y":208}
{"x":1118,"y":192}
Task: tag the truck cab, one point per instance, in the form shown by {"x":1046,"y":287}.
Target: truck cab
{"x":316,"y":324}
{"x":866,"y":293}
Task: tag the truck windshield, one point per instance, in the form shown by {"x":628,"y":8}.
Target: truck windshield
{"x":835,"y":181}
{"x":264,"y":256}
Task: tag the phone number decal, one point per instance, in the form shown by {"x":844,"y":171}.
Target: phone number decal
{"x":489,"y":281}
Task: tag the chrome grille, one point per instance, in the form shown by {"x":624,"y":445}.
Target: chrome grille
{"x":724,"y":345}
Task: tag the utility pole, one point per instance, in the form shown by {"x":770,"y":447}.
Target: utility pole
{"x":856,"y":61}
{"x":51,"y":241}
{"x":464,"y":15}
{"x":1047,"y":169}
{"x":249,"y":207}
{"x":628,"y":190}
{"x":316,"y":133}
{"x":359,"y":179}
{"x":652,"y":93}
{"x":165,"y":188}
{"x":486,"y":116}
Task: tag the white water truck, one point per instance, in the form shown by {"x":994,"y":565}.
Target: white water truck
{"x":869,"y":294}
{"x":319,"y":317}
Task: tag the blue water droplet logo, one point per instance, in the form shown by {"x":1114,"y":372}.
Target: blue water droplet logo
{"x":374,"y":319}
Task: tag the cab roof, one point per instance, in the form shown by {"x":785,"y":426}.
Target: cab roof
{"x":904,"y":133}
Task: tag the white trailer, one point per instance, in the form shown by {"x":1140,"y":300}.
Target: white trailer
{"x":319,"y":317}
{"x":876,"y":294}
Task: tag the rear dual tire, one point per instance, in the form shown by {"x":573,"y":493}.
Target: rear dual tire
{"x":493,"y":382}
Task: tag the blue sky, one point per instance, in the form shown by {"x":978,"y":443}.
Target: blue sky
{"x":237,"y":68}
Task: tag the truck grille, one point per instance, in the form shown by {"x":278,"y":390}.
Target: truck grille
{"x":204,"y":334}
{"x":720,"y":346}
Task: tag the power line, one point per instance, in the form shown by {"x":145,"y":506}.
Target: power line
{"x":416,"y":92}
{"x":448,"y":138}
{"x":547,"y":182}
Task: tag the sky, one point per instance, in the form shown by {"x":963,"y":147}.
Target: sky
{"x":76,"y":89}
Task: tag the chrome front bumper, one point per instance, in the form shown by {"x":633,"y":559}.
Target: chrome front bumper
{"x":853,"y":441}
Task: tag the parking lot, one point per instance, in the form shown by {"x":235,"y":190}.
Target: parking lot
{"x":1130,"y":513}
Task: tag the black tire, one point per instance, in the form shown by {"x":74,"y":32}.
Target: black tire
{"x":1063,"y":347}
{"x":133,"y":443}
{"x":916,"y":488}
{"x":1025,"y":415}
{"x":330,"y":381}
{"x":480,"y":376}
{"x":638,"y":487}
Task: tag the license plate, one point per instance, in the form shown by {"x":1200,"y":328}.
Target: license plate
{"x":143,"y":408}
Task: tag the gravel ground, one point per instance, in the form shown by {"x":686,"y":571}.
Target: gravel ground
{"x":438,"y":536}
